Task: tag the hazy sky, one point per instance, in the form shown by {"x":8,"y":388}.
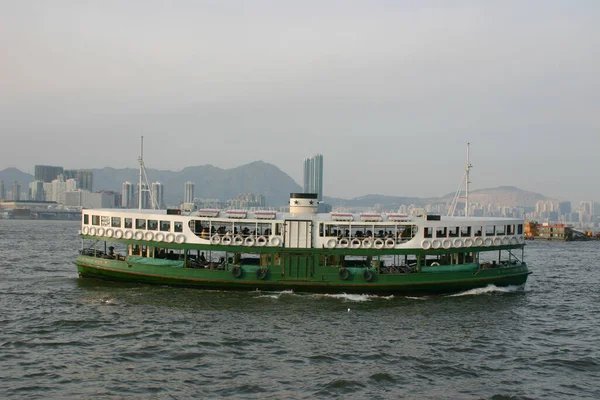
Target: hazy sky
{"x":388,"y":91}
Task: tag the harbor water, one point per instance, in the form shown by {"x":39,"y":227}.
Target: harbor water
{"x":66,"y":337}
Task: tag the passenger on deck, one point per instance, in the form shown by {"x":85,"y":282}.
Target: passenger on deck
{"x":111,"y":252}
{"x":202,"y":258}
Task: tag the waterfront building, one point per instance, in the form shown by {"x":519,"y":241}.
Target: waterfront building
{"x":158,"y":191}
{"x":127,"y":195}
{"x":36,"y":191}
{"x":2,"y":192}
{"x":87,"y":199}
{"x":15,"y":190}
{"x":47,"y":173}
{"x":70,"y":173}
{"x":47,"y":191}
{"x":248,"y":201}
{"x":313,"y":175}
{"x":86,"y":179}
{"x":189,"y":192}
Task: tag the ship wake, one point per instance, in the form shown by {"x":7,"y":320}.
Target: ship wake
{"x":490,"y":289}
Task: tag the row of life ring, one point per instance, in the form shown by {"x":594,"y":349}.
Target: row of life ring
{"x":138,"y":235}
{"x":469,"y":242}
{"x":238,"y":240}
{"x":356,"y":243}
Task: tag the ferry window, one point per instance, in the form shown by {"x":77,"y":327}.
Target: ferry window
{"x":510,"y":229}
{"x":478,"y":230}
{"x":86,"y":219}
{"x":489,"y":230}
{"x":520,"y":226}
{"x":165,"y":226}
{"x":177,"y":226}
{"x":465,"y":231}
{"x":428,"y":232}
{"x":500,"y":230}
{"x":441,"y":232}
{"x":140,"y":224}
{"x":152,"y":224}
{"x":95,"y":220}
{"x":115,"y":222}
{"x":278,"y":229}
{"x":263,"y":229}
{"x":128,"y":223}
{"x":453,"y":231}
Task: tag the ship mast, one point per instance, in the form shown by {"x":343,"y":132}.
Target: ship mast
{"x":144,"y":174}
{"x":468,"y":167}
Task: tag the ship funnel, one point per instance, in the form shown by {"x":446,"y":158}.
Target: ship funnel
{"x":303,"y":203}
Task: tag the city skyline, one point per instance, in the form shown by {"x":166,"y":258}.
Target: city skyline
{"x":388,"y":92}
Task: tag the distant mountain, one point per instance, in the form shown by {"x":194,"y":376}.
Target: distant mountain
{"x":9,"y":175}
{"x":210,"y":181}
{"x":508,"y":196}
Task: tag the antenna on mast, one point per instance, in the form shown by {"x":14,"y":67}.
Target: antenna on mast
{"x":466,"y":181}
{"x":144,"y":187}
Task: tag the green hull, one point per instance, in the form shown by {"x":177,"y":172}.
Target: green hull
{"x":304,"y":275}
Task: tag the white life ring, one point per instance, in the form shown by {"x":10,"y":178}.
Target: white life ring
{"x":436,"y":244}
{"x":226,"y":240}
{"x":170,"y":238}
{"x":331,"y":243}
{"x":100,"y":231}
{"x":367,"y":243}
{"x":497,"y":241}
{"x":128,"y":234}
{"x":343,"y":243}
{"x":390,"y":243}
{"x":85,"y":230}
{"x":435,"y":264}
{"x":139,"y":235}
{"x":425,"y":244}
{"x":479,"y":241}
{"x":180,"y":238}
{"x":238,"y":240}
{"x":249,"y":241}
{"x":118,"y":233}
{"x":149,"y":235}
{"x":505,"y":240}
{"x":275,"y":241}
{"x":468,"y":242}
{"x":446,"y":243}
{"x":514,"y":240}
{"x":159,"y":237}
{"x":378,"y":243}
{"x":215,"y":239}
{"x":93,"y":230}
{"x":457,"y":242}
{"x":109,"y":232}
{"x":488,"y":241}
{"x":355,"y":243}
{"x":261,"y":241}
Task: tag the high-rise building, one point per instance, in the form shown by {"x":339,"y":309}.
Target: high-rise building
{"x":47,"y":173}
{"x":86,"y":179}
{"x":70,"y":173}
{"x":313,"y":175}
{"x":127,"y":195}
{"x":2,"y":192}
{"x":189,"y":192}
{"x":158,"y":190}
{"x":15,"y":190}
{"x":36,"y":191}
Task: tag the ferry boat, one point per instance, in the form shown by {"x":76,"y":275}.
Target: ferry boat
{"x":302,"y":250}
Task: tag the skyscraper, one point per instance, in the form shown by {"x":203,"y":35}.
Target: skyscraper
{"x":86,"y":179}
{"x":2,"y":192}
{"x":47,"y":173}
{"x":127,"y":195}
{"x":158,"y":191}
{"x":36,"y":191}
{"x":16,"y":191}
{"x":189,"y":192}
{"x":313,"y":175}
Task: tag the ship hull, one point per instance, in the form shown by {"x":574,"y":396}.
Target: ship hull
{"x":315,"y":279}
